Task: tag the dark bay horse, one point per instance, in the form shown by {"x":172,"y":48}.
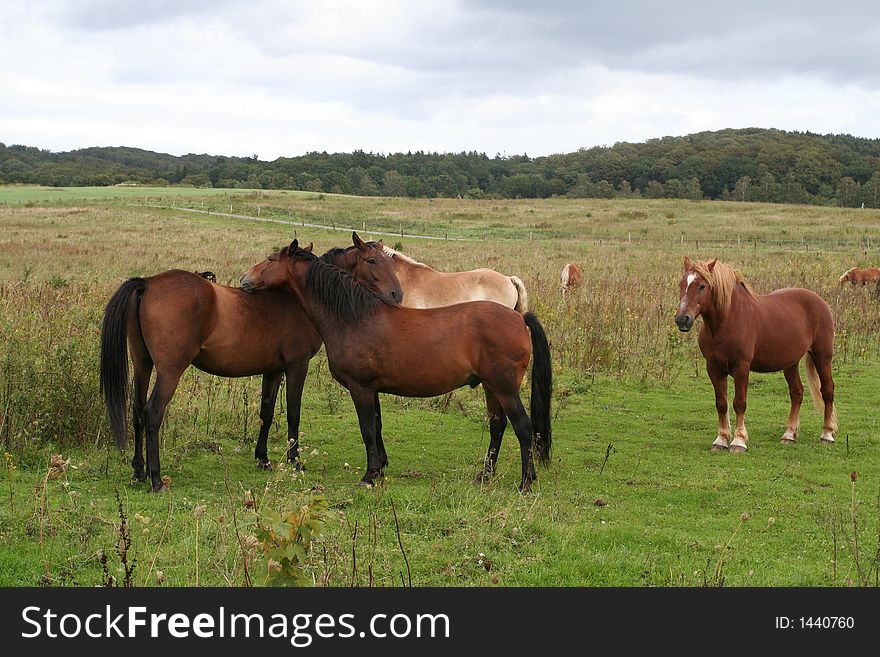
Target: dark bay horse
{"x":177,"y":318}
{"x":743,"y":331}
{"x":374,"y":346}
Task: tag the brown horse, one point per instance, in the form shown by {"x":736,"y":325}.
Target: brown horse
{"x":744,"y":332}
{"x":374,"y":346}
{"x":570,"y":277}
{"x":176,"y":319}
{"x":425,"y":287}
{"x":858,"y":276}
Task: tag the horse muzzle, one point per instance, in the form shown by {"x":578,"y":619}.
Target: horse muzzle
{"x":246,"y":285}
{"x":684,"y":322}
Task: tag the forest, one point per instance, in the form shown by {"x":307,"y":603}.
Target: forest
{"x":744,"y":165}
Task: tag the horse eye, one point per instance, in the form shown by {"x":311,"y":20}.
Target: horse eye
{"x":702,"y":287}
{"x":372,"y":261}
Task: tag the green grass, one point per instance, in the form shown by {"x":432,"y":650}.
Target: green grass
{"x":625,"y":377}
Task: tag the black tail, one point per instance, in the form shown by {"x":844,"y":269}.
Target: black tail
{"x":542,"y":389}
{"x":114,"y":357}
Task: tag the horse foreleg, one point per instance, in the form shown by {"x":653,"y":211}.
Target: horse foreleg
{"x":796,"y":394}
{"x":268,"y":395}
{"x":741,"y":386}
{"x":497,"y":424}
{"x":163,"y":390}
{"x":380,"y":446}
{"x":719,"y":383}
{"x":296,"y":378}
{"x":366,"y":403}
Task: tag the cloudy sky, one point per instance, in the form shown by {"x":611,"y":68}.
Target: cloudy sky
{"x":283,"y":77}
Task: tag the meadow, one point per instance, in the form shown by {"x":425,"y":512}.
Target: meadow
{"x":633,"y":495}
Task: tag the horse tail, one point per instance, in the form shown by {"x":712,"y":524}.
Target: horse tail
{"x":542,"y":389}
{"x":114,"y":356}
{"x":522,"y":297}
{"x":816,"y":389}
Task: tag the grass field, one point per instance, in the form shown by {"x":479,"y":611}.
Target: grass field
{"x":633,"y":496}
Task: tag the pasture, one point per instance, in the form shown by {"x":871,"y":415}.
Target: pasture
{"x":633,"y":495}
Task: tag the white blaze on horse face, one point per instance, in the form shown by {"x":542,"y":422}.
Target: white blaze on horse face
{"x":683,"y":305}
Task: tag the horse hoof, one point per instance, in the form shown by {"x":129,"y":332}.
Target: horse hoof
{"x":264,"y":465}
{"x":525,"y":487}
{"x":161,"y":489}
{"x":142,"y":477}
{"x":737,"y":449}
{"x":719,"y":448}
{"x":365,"y":484}
{"x":826,"y":439}
{"x":787,"y":441}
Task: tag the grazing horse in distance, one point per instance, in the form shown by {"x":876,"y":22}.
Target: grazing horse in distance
{"x":177,"y":318}
{"x":375,"y":346}
{"x":570,"y":277}
{"x":858,"y":276}
{"x":743,"y":331}
{"x":424,"y":287}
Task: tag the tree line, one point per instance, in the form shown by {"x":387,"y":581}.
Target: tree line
{"x":741,"y":165}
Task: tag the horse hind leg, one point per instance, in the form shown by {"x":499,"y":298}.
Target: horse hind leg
{"x":154,"y":414}
{"x":822,"y":386}
{"x":796,"y":394}
{"x":143,"y":368}
{"x":497,"y":425}
{"x":522,"y":425}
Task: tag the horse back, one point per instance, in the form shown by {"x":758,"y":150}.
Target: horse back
{"x":791,"y":321}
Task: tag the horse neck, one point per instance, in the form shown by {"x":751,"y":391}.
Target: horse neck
{"x":718,"y":320}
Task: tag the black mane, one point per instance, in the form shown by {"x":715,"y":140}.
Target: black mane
{"x":332,"y":254}
{"x":345,"y":297}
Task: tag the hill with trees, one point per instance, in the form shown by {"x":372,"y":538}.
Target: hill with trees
{"x":745,"y":165}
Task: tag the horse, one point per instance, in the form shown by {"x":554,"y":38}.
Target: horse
{"x":376,"y":346}
{"x":177,"y":318}
{"x":743,"y":331}
{"x":864,"y":276}
{"x":425,"y":287}
{"x":207,"y":275}
{"x":570,"y":277}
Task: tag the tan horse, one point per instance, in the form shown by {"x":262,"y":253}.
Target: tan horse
{"x":570,"y":277}
{"x":863,"y":276}
{"x":424,"y":287}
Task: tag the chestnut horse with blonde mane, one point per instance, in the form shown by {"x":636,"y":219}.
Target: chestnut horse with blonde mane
{"x":743,"y":331}
{"x":858,"y":276}
{"x":570,"y":277}
{"x":376,"y":346}
{"x":177,"y":318}
{"x":424,"y":287}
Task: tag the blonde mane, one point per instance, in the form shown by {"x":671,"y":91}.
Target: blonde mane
{"x":722,"y":279}
{"x":404,"y":258}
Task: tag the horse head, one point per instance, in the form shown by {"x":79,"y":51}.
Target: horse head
{"x":375,"y":268}
{"x":273,"y":272}
{"x":696,"y":294}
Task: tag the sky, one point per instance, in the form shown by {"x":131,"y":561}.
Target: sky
{"x":279,"y":78}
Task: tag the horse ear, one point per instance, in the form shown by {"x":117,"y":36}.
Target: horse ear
{"x":308,"y":249}
{"x":357,"y":241}
{"x":687,"y":263}
{"x":711,"y":265}
{"x":294,"y":245}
